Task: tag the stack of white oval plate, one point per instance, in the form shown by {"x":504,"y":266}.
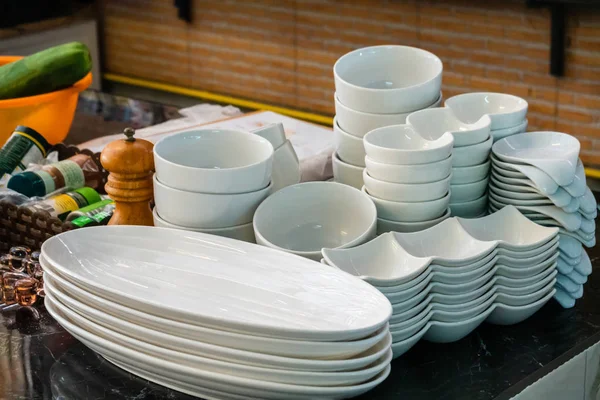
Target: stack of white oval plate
{"x":215,"y":317}
{"x":445,"y":281}
{"x":540,"y":174}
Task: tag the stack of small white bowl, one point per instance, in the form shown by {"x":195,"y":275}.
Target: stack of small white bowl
{"x":211,"y":181}
{"x":376,"y":87}
{"x":408,"y":177}
{"x":541,"y":174}
{"x":445,"y":281}
{"x":470,"y":156}
{"x":215,"y":317}
{"x":508,"y":113}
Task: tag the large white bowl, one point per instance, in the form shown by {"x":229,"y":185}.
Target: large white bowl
{"x":304,"y":218}
{"x":388,"y":79}
{"x":345,"y":173}
{"x":401,"y":144}
{"x":468,"y":156}
{"x":385,"y":225}
{"x":349,"y":148}
{"x":420,"y":173}
{"x":359,"y":123}
{"x":206,"y":210}
{"x":214,"y":161}
{"x":468,"y":191}
{"x":504,"y":110}
{"x":409,"y":211}
{"x":407,"y":192}
{"x":474,"y":173}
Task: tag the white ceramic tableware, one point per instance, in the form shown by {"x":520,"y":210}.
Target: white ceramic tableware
{"x":345,"y":173}
{"x":540,"y":179}
{"x":578,"y":186}
{"x":540,"y":185}
{"x":214,"y":161}
{"x":468,"y":156}
{"x":386,"y":225}
{"x":561,"y":198}
{"x":240,"y":232}
{"x":434,"y":122}
{"x":388,"y":79}
{"x":510,"y":315}
{"x":446,"y":332}
{"x":349,"y":148}
{"x":571,"y":222}
{"x":540,"y":201}
{"x":474,"y":173}
{"x":189,"y":209}
{"x":587,"y":202}
{"x":504,"y":110}
{"x":401,"y":144}
{"x":410,"y":211}
{"x":304,"y":218}
{"x":406,"y":192}
{"x":286,"y":167}
{"x":468,"y":191}
{"x":569,"y":246}
{"x":470,"y":209}
{"x":554,"y":153}
{"x":162,"y":273}
{"x":419,"y":173}
{"x":563,"y":298}
{"x":274,"y":133}
{"x":502,"y":133}
{"x":358,"y":123}
{"x":533,"y":195}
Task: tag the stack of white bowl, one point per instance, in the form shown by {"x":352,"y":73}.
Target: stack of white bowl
{"x":376,"y":87}
{"x":445,"y":281}
{"x":470,"y":156}
{"x":215,"y":317}
{"x":541,"y":174}
{"x":211,"y":181}
{"x":408,"y":177}
{"x":508,"y":113}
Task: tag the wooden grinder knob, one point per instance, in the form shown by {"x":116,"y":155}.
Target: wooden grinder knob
{"x":130,"y":163}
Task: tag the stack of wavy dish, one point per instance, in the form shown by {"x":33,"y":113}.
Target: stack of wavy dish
{"x":446,"y":280}
{"x":216,"y":317}
{"x":540,"y":173}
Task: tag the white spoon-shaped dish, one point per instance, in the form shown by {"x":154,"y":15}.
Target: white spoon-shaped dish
{"x":504,"y":110}
{"x":541,"y":179}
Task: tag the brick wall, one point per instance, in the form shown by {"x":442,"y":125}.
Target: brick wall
{"x":282,"y":51}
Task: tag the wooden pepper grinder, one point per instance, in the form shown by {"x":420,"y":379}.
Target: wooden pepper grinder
{"x":131,"y":165}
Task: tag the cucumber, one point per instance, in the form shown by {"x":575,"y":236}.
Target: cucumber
{"x":49,"y":70}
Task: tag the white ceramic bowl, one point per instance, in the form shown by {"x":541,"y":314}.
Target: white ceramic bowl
{"x":502,"y":133}
{"x":241,"y":232}
{"x":468,"y":156}
{"x":345,"y":173}
{"x":359,"y":123}
{"x":421,"y":173}
{"x":349,"y":148}
{"x":474,"y":173}
{"x":206,"y":210}
{"x":385,"y":225}
{"x":286,"y":167}
{"x":410,"y":212}
{"x":388,"y":79}
{"x":214,"y":161}
{"x":274,"y":133}
{"x":415,"y":192}
{"x":505,"y":110}
{"x":470,"y":209}
{"x":304,"y":218}
{"x":402,"y":145}
{"x":468,"y":191}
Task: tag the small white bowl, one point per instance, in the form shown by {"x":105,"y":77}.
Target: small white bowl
{"x":504,"y":110}
{"x":468,"y":191}
{"x":274,"y":133}
{"x":409,"y":212}
{"x":421,"y":173}
{"x":349,"y":148}
{"x":214,"y":161}
{"x":359,"y":123}
{"x":385,"y":225}
{"x":434,"y":122}
{"x":470,"y":209}
{"x":345,"y":173}
{"x":402,"y":145}
{"x":241,"y":232}
{"x":388,"y":79}
{"x":502,"y":133}
{"x":469,"y":156}
{"x":286,"y":167}
{"x":206,"y":210}
{"x":305,"y":218}
{"x":406,"y":192}
{"x":474,"y":173}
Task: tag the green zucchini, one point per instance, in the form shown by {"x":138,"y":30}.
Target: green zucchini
{"x":49,"y":70}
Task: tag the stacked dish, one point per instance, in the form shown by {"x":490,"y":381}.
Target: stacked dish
{"x":215,"y":317}
{"x":211,"y":181}
{"x":445,"y":281}
{"x":540,"y":173}
{"x":408,"y":177}
{"x":376,"y":87}
{"x":508,"y":113}
{"x":470,"y":156}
